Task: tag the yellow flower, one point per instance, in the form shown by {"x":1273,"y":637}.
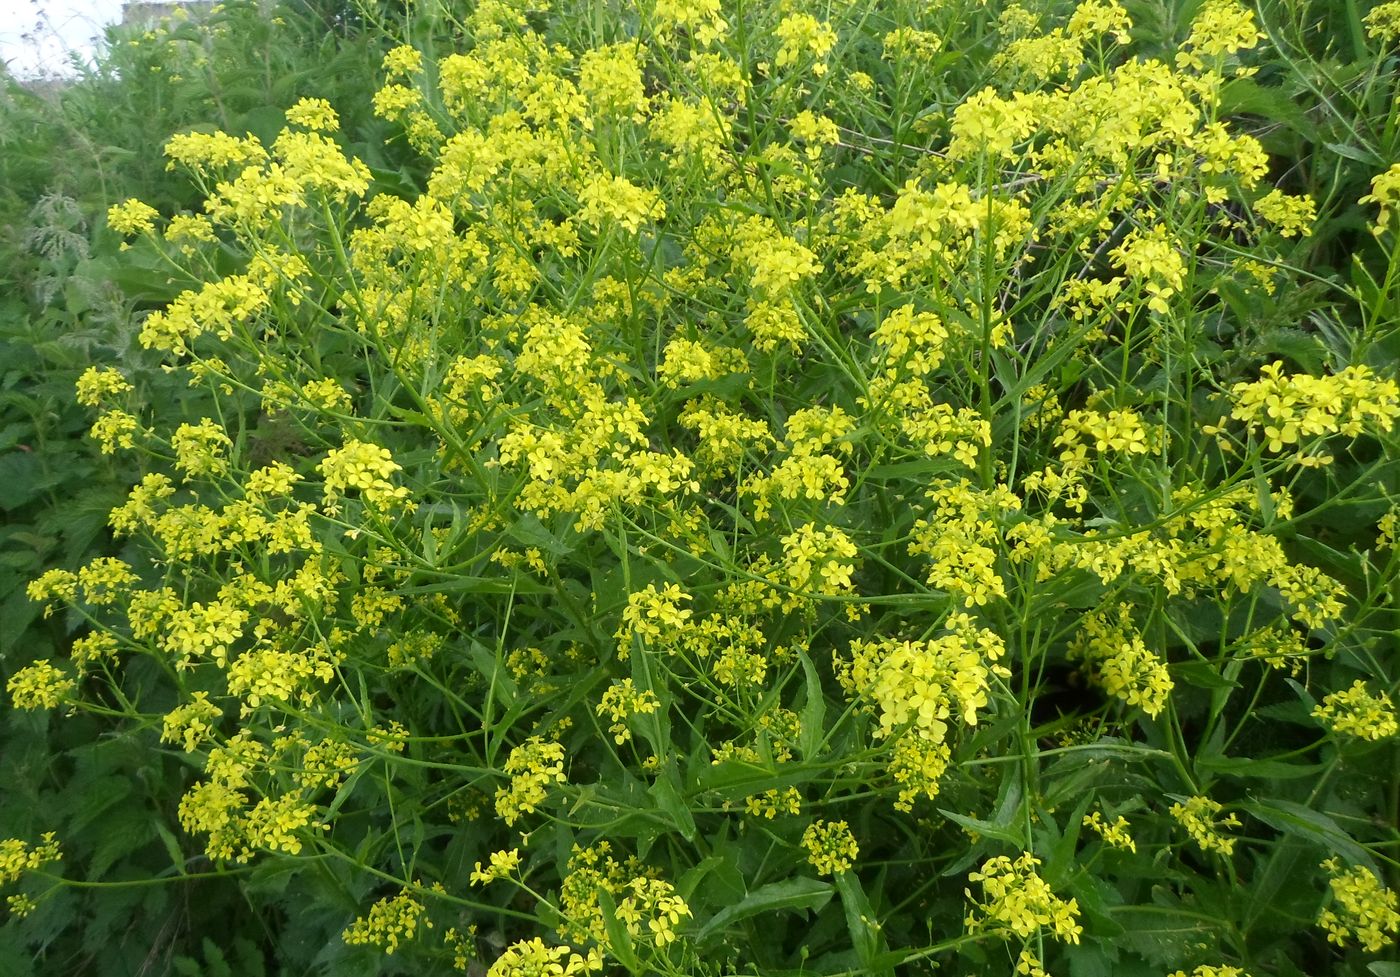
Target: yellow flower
{"x":191,"y":723}
{"x":18,"y":857}
{"x":1292,"y":215}
{"x":1114,"y":833}
{"x":803,"y":34}
{"x":403,"y":60}
{"x":1120,"y":661}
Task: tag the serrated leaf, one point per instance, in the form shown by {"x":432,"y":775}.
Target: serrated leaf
{"x":214,"y":960}
{"x":124,"y":832}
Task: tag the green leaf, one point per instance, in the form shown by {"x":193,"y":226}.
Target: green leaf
{"x":1246,"y":96}
{"x":1303,"y":822}
{"x":1358,"y":153}
{"x":125,"y":831}
{"x":1248,"y":768}
{"x":666,"y":793}
{"x":987,"y":829}
{"x":798,"y":893}
{"x":736,"y":779}
{"x":1202,"y":675}
{"x":813,"y":713}
{"x":214,"y":959}
{"x":619,"y":940}
{"x":862,"y":925}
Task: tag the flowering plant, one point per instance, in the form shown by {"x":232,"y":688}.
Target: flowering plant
{"x":706,"y":518}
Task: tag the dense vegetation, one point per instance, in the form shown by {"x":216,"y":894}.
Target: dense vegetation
{"x":697,"y":488}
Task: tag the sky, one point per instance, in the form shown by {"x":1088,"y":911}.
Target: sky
{"x":55,"y":28}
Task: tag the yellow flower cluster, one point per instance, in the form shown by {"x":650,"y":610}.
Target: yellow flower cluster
{"x":391,"y":921}
{"x":315,"y":114}
{"x":18,"y":856}
{"x":912,"y":341}
{"x":701,"y":18}
{"x":132,"y":217}
{"x":1119,"y":660}
{"x":916,"y":688}
{"x":1383,"y":21}
{"x":1293,"y":216}
{"x":98,"y":383}
{"x":502,"y":865}
{"x":532,"y":767}
{"x":802,"y":35}
{"x":364,"y":467}
{"x":1362,"y":908}
{"x":653,"y":615}
{"x":831,"y":848}
{"x":192,"y":723}
{"x":1200,"y":817}
{"x":200,"y":449}
{"x":617,"y":200}
{"x":42,"y":685}
{"x":1153,"y":260}
{"x":1016,"y":899}
{"x":1221,"y":28}
{"x":204,"y":152}
{"x":531,"y":958}
{"x":686,"y":361}
{"x":1114,"y":832}
{"x":961,"y":539}
{"x":770,"y":803}
{"x":815,"y":563}
{"x":646,"y":906}
{"x":1358,"y":712}
{"x":1298,"y":409}
{"x":622,"y":700}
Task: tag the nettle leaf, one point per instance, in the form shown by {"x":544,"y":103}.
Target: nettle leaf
{"x":125,"y":832}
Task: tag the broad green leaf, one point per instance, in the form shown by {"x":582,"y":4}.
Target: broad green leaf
{"x":1303,"y":822}
{"x":795,"y":893}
